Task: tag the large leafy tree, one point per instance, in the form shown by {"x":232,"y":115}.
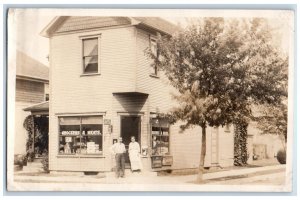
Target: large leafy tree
{"x":220,"y":68}
{"x":273,"y":120}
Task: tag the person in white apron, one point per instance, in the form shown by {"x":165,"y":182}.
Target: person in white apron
{"x":134,"y":155}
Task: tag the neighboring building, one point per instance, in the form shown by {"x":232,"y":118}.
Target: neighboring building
{"x":265,"y":146}
{"x":103,"y":87}
{"x":32,"y":86}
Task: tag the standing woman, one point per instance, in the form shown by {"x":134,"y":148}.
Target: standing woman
{"x":134,"y":155}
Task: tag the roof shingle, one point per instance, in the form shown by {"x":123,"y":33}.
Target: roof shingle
{"x":159,"y":24}
{"x":76,"y":23}
{"x":29,"y":67}
{"x":88,"y":22}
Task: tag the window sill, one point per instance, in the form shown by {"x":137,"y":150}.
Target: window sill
{"x":154,"y":76}
{"x":80,"y":156}
{"x":90,"y":74}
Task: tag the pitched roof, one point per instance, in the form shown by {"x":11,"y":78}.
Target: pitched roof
{"x":88,"y":22}
{"x":159,"y":24}
{"x":75,"y":23}
{"x":31,"y":68}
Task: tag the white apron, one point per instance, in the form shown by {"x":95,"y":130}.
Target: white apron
{"x":134,"y":156}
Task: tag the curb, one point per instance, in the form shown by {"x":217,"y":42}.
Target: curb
{"x":108,"y":177}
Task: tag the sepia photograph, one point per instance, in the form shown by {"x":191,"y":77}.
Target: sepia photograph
{"x":196,"y":100}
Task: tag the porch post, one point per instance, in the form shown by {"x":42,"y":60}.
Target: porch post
{"x":33,"y":134}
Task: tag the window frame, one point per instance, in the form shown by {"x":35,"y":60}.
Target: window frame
{"x":80,"y":134}
{"x":87,"y":37}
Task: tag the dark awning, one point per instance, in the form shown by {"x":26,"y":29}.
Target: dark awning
{"x":131,"y":93}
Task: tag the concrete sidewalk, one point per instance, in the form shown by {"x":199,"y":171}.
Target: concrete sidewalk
{"x":148,"y":177}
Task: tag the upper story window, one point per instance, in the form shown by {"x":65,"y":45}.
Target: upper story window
{"x":90,"y":55}
{"x":153,"y":47}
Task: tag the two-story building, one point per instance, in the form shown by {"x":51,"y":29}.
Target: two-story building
{"x":103,"y":86}
{"x":32,"y":87}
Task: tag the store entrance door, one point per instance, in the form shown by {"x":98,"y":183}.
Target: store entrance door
{"x":130,"y":126}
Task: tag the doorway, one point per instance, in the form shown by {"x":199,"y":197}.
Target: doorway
{"x":130,"y":126}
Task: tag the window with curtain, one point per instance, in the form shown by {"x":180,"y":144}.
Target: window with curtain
{"x":90,"y":55}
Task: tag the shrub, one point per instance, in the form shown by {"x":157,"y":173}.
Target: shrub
{"x":45,"y":162}
{"x":30,"y":155}
{"x":20,"y":160}
{"x":281,"y":156}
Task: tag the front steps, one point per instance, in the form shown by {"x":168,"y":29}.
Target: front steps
{"x":35,"y":166}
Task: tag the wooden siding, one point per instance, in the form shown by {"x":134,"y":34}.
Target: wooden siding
{"x":157,"y":88}
{"x":71,"y":90}
{"x":29,"y":91}
{"x":226,"y":147}
{"x":185,"y":146}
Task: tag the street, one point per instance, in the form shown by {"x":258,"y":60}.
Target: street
{"x":262,"y":179}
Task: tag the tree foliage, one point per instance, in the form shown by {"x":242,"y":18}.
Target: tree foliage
{"x":273,"y":120}
{"x":37,"y":135}
{"x":220,"y":68}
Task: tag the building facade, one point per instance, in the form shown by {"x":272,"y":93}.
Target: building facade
{"x":103,"y":87}
{"x":32,"y":87}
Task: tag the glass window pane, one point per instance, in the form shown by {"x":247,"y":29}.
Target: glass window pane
{"x":90,"y":64}
{"x":67,"y":144}
{"x":90,"y":47}
{"x":94,"y":144}
{"x":92,"y":138}
{"x":160,"y":136}
{"x":92,"y":120}
{"x":69,"y":131}
{"x":69,"y":120}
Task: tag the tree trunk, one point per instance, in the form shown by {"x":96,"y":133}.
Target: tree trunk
{"x":202,"y":156}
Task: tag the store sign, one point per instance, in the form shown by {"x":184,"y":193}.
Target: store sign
{"x":68,"y":139}
{"x":107,"y":121}
{"x":94,"y":132}
{"x":91,"y":132}
{"x":109,"y":129}
{"x":70,"y":132}
{"x":167,"y":160}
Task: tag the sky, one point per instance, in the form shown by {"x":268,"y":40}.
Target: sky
{"x":30,"y":22}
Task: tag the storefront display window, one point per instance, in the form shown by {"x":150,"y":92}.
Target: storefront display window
{"x":80,"y":135}
{"x":160,"y":136}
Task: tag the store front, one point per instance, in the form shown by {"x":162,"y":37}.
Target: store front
{"x":84,"y":140}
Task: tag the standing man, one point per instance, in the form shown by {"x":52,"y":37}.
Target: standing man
{"x":119,"y":150}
